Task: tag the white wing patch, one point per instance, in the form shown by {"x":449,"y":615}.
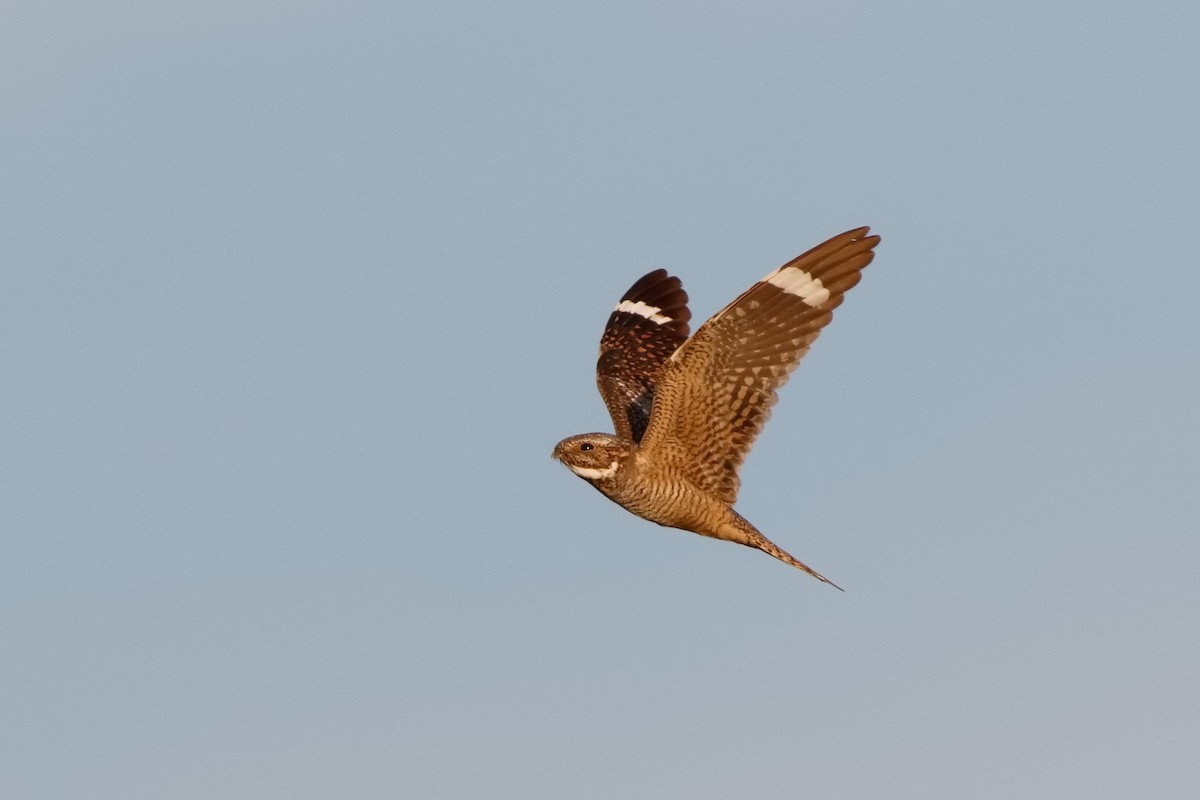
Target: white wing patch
{"x":800,"y":283}
{"x":642,"y":310}
{"x":593,"y":473}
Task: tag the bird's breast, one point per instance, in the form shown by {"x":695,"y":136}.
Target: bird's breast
{"x":664,"y":498}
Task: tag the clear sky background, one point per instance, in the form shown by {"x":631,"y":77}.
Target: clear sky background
{"x":297,"y":297}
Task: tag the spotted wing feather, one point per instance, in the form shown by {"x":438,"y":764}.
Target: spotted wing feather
{"x":645,"y":328}
{"x":716,"y":392}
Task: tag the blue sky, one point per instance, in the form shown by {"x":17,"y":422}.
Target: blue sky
{"x":296,"y":299}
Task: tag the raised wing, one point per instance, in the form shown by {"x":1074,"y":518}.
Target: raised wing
{"x":715,"y":394}
{"x":644,"y":329}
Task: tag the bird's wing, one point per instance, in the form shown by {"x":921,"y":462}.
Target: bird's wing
{"x":715,"y":394}
{"x":645,"y":328}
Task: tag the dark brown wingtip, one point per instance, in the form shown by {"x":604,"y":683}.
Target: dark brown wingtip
{"x":660,"y":290}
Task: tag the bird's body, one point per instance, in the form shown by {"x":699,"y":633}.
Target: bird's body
{"x":687,"y":410}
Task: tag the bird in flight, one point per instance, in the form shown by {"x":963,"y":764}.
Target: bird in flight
{"x":687,"y":410}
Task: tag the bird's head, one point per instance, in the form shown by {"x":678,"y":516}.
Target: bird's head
{"x":592,"y":456}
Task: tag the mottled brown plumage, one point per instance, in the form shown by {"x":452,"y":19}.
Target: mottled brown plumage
{"x":687,"y":411}
{"x":635,"y":346}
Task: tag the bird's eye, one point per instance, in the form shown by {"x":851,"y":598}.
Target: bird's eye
{"x":586,"y":446}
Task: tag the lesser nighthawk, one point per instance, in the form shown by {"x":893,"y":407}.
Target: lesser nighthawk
{"x":687,"y":411}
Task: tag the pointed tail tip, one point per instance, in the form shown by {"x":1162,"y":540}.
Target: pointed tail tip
{"x":745,"y":533}
{"x":800,"y":565}
{"x":806,"y":568}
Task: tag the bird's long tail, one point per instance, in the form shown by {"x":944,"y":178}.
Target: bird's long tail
{"x":742,"y":532}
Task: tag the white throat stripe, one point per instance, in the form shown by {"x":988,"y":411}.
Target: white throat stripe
{"x":800,"y":283}
{"x":642,"y":310}
{"x":593,"y":474}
